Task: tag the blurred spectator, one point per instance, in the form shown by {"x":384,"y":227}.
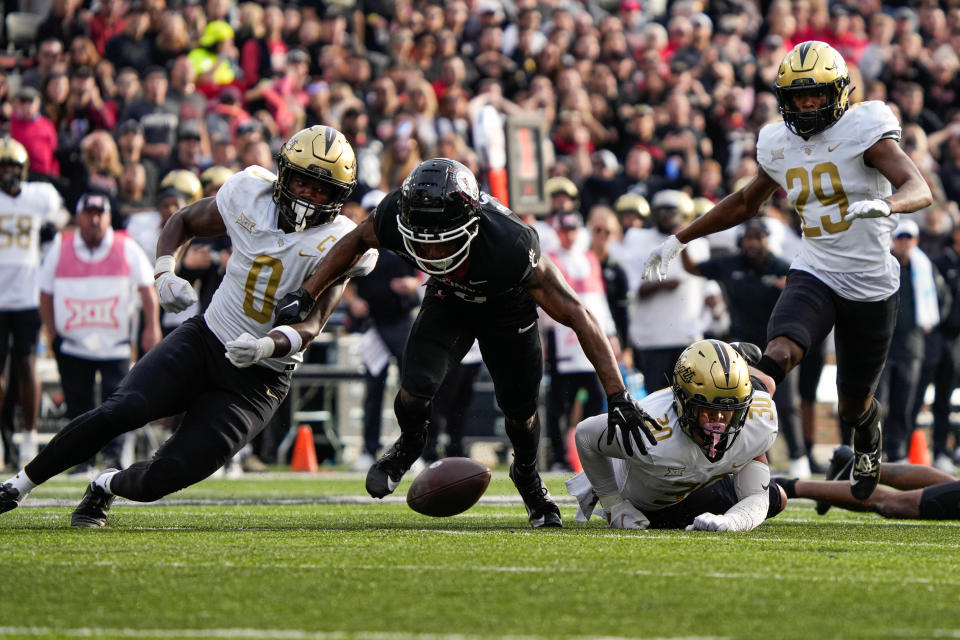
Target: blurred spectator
{"x":132,"y":47}
{"x":918,"y":314}
{"x":35,"y":132}
{"x":216,"y":59}
{"x":66,"y":20}
{"x":605,"y":235}
{"x":158,"y":115}
{"x":182,"y":90}
{"x":89,"y":281}
{"x":85,"y":109}
{"x":107,"y":21}
{"x":98,"y":171}
{"x":173,"y":40}
{"x":82,"y":53}
{"x":49,"y":58}
{"x":264,"y":52}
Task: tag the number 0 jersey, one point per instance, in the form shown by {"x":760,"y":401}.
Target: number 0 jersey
{"x":822,"y":177}
{"x":20,"y":221}
{"x":266,"y":263}
{"x":676,"y":466}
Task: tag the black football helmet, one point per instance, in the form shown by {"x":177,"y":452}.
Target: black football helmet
{"x":13,"y":165}
{"x":320,"y":153}
{"x":439,"y":203}
{"x":711,"y":375}
{"x":812,"y":65}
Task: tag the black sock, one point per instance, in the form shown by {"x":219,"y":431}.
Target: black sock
{"x":862,"y":429}
{"x":789,"y":486}
{"x":525,"y":441}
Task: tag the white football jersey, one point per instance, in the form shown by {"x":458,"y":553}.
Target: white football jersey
{"x":676,"y":466}
{"x":266,"y":263}
{"x":822,"y":177}
{"x":20,"y":221}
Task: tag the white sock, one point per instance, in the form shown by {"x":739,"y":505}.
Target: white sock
{"x":28,"y":446}
{"x":22,"y":483}
{"x":103,"y":480}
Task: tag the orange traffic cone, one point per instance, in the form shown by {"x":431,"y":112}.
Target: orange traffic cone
{"x":304,"y":453}
{"x":919,"y":450}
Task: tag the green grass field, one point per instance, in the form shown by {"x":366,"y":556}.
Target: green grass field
{"x":287,"y":556}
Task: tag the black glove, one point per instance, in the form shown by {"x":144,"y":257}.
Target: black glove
{"x":750,"y":352}
{"x":632,"y":421}
{"x":293,"y":307}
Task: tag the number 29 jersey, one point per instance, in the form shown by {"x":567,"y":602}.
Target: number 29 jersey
{"x":266,"y":263}
{"x":822,"y":177}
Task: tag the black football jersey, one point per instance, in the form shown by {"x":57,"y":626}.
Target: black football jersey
{"x":502,"y":256}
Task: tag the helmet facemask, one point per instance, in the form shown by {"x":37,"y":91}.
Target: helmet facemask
{"x":712,"y":393}
{"x":439,"y":204}
{"x":812,"y":66}
{"x":296,"y":213}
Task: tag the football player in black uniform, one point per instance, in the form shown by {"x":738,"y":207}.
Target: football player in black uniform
{"x":924,"y":493}
{"x":488,"y":277}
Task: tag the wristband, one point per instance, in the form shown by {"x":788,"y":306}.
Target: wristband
{"x":164,"y":264}
{"x":296,"y":342}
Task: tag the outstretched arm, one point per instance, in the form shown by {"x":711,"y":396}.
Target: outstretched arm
{"x":561,"y":303}
{"x":740,"y":205}
{"x":341,"y":257}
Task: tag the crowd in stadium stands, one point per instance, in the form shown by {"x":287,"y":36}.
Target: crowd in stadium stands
{"x":638,"y":97}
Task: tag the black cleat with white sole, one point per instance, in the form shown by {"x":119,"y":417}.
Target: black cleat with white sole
{"x":9,"y":498}
{"x":840,"y":464}
{"x":541,"y":509}
{"x":865,"y":473}
{"x":93,"y":508}
{"x":386,"y":473}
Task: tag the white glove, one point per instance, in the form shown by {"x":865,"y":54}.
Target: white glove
{"x":624,"y":515}
{"x":246,"y":350}
{"x":868,"y":209}
{"x":660,"y":258}
{"x":174,"y":292}
{"x":709,"y":522}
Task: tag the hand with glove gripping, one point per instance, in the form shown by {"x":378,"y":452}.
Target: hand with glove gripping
{"x":175,"y":293}
{"x":659,"y":259}
{"x":626,"y":416}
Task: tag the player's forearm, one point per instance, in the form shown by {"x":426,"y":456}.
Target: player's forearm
{"x":727,"y":213}
{"x":310,"y":328}
{"x":913,"y":195}
{"x":335,"y":264}
{"x":749,"y":513}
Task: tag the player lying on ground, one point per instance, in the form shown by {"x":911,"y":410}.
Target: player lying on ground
{"x":709,"y":469}
{"x":279,"y":227}
{"x":925,"y":493}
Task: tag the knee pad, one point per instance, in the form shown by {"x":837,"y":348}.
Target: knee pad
{"x":413,"y":414}
{"x":941,"y":502}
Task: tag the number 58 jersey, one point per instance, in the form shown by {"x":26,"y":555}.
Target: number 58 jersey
{"x":266,"y":263}
{"x":822,"y":177}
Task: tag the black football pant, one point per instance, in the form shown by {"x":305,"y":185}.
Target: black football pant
{"x":187,"y":372}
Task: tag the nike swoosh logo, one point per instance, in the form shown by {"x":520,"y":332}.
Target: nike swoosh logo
{"x":527,"y":328}
{"x":830,"y":149}
{"x":285,"y":307}
{"x":305,"y":255}
{"x":475,"y":282}
{"x":737,"y":466}
{"x":765,"y":486}
{"x":271,"y":394}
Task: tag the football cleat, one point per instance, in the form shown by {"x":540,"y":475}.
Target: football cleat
{"x":385,"y":474}
{"x":865,"y":473}
{"x":541,"y":509}
{"x":9,"y":498}
{"x":93,"y":508}
{"x":840,"y":465}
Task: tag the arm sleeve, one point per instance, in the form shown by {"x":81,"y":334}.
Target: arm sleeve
{"x":751,"y":484}
{"x":595,"y":456}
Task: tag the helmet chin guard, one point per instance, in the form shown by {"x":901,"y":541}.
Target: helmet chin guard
{"x":439,"y":203}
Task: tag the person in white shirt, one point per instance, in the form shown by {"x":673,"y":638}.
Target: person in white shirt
{"x":93,"y":283}
{"x":708,"y":471}
{"x":846,"y":175}
{"x":24,"y":208}
{"x":228,"y":369}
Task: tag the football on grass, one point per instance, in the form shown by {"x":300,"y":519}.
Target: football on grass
{"x":448,"y":487}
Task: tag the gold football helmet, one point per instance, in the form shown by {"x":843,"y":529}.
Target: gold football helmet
{"x":812,"y":66}
{"x":186,"y":182}
{"x":213,"y":178}
{"x":632,"y":203}
{"x":13,"y":165}
{"x":321,"y":154}
{"x":709,"y":377}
